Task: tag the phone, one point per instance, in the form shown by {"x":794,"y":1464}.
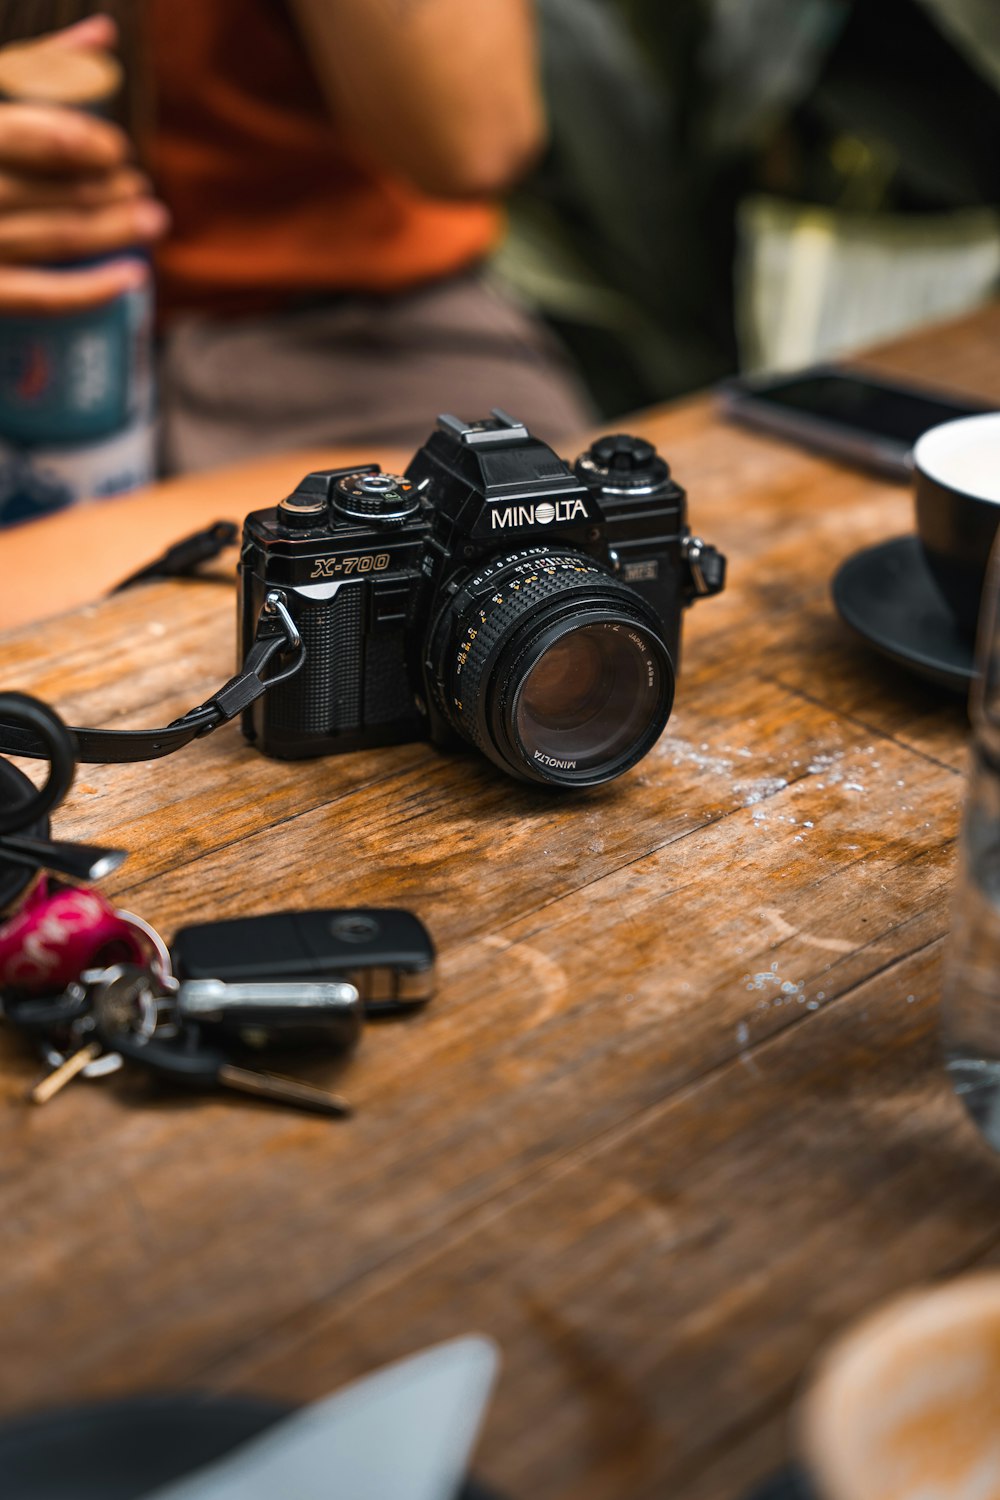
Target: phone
{"x":843,"y":413}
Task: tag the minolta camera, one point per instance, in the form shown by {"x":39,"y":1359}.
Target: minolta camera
{"x":493,"y":595}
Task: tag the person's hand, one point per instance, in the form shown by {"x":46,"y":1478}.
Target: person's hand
{"x":69,"y":192}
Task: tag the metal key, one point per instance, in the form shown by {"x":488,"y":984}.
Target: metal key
{"x":122,"y":998}
{"x":62,"y":1028}
{"x":50,"y":1085}
{"x":301,"y":1013}
{"x":185,"y":1059}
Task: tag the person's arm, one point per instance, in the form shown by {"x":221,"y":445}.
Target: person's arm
{"x":446,"y":92}
{"x":69,"y":192}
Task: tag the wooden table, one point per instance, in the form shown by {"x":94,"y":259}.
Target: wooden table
{"x":676,"y":1114}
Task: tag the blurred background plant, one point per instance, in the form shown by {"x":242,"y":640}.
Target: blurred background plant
{"x":756,"y":183}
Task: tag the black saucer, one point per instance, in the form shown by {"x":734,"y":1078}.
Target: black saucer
{"x":887,"y":595}
{"x":787,"y":1484}
{"x":120,"y":1450}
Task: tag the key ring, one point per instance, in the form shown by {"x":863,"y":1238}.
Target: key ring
{"x":29,"y":713}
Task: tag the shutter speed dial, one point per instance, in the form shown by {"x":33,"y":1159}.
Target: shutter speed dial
{"x":622,"y":464}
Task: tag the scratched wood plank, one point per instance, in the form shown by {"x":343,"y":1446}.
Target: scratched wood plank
{"x":529,"y":989}
{"x":660,"y":1131}
{"x":670,"y":1283}
{"x":543,"y":975}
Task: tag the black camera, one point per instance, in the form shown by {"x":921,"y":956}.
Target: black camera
{"x":493,"y":595}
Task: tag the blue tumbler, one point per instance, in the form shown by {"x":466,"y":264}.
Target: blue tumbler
{"x":77,"y":396}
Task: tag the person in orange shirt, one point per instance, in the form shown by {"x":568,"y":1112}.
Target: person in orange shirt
{"x":326,"y":173}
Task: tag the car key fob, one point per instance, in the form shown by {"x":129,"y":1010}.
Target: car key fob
{"x":386,"y":953}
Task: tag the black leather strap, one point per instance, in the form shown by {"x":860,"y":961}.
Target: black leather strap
{"x":38,"y":721}
{"x":183,"y":558}
{"x":118,"y":745}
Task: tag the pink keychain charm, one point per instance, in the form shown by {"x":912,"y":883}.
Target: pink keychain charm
{"x":49,"y":944}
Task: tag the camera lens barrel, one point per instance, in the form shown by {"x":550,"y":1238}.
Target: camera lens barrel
{"x":553,"y":668}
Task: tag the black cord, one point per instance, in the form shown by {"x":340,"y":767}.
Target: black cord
{"x":182,"y":559}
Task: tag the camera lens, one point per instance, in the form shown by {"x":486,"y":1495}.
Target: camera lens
{"x":570,"y":683}
{"x":585,"y":699}
{"x":553,"y":668}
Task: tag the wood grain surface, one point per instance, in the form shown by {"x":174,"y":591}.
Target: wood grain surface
{"x":677,"y":1112}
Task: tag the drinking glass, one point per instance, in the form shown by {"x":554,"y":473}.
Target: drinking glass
{"x":971,"y":992}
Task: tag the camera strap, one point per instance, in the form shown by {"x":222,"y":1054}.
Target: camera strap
{"x":276,"y":636}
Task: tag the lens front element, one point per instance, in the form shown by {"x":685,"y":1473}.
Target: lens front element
{"x":589,"y":698}
{"x":553,"y":668}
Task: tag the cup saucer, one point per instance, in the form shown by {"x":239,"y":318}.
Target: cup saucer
{"x":787,"y":1484}
{"x":887,"y":595}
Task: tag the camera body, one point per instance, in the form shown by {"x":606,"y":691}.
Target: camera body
{"x":493,"y":594}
